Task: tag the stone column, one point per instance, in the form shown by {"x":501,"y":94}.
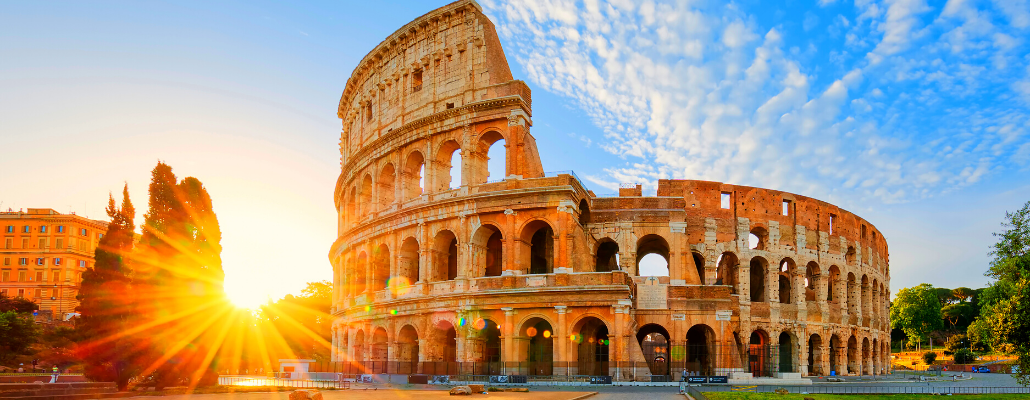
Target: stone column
{"x":802,"y":353}
{"x":824,"y":348}
{"x":508,"y":336}
{"x":560,"y":337}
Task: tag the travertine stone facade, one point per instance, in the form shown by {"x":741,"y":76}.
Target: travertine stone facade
{"x":533,"y":269}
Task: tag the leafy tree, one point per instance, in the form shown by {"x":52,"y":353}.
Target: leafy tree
{"x":929,"y":357}
{"x":917,"y":311}
{"x":963,"y":294}
{"x":958,"y":313}
{"x":1005,"y":313}
{"x":16,"y":304}
{"x":107,"y":304}
{"x":179,"y":280}
{"x":303,"y":321}
{"x":956,"y":342}
{"x":945,"y":296}
{"x":17,"y":332}
{"x":964,"y":356}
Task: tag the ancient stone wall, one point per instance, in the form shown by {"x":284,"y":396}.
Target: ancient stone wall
{"x":535,"y":273}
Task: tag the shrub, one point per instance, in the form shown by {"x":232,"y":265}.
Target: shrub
{"x":956,"y":342}
{"x":929,"y":357}
{"x":964,"y":356}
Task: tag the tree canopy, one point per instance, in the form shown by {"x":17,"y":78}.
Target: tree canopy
{"x":917,"y":311}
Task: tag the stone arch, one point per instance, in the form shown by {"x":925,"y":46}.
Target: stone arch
{"x":590,"y":337}
{"x":352,"y":202}
{"x":407,"y":350}
{"x":606,"y":256}
{"x":486,"y":346}
{"x":360,"y":273}
{"x":700,"y":350}
{"x":759,"y":353}
{"x":785,"y":280}
{"x":538,"y":247}
{"x":442,"y":348}
{"x":445,"y":256}
{"x":851,"y":295}
{"x":813,"y":275}
{"x":584,"y":212}
{"x":484,"y":146}
{"x":654,"y":244}
{"x":759,"y":268}
{"x":758,"y":239}
{"x":833,"y":284}
{"x":815,"y":355}
{"x":365,"y":196}
{"x":408,"y":262}
{"x":863,"y":294}
{"x":487,"y":251}
{"x":358,"y":346}
{"x":413,"y":175}
{"x":655,"y":343}
{"x":538,"y":349}
{"x":380,"y":267}
{"x":699,"y":265}
{"x":875,"y":295}
{"x":837,"y":351}
{"x":380,"y":350}
{"x":446,"y":173}
{"x":728,"y":268}
{"x":385,"y":187}
{"x":854,"y":363}
{"x":849,"y":256}
{"x":787,"y":342}
{"x":866,"y":354}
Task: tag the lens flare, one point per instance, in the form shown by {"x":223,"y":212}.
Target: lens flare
{"x":399,"y":285}
{"x":480,"y":324}
{"x":531,"y":332}
{"x":547,"y":334}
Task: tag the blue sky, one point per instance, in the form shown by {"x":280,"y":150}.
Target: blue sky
{"x":911,"y":114}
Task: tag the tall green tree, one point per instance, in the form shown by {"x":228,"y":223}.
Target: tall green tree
{"x":107,"y":304}
{"x":17,"y":332}
{"x":180,"y":281}
{"x":1006,"y":312}
{"x":303,"y":321}
{"x":917,"y":311}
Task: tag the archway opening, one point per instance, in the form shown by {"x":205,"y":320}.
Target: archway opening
{"x":487,"y":254}
{"x":448,"y":168}
{"x":496,"y":158}
{"x":851,"y":295}
{"x":540,"y":346}
{"x":726,"y":273}
{"x":488,"y":350}
{"x":380,"y":351}
{"x":812,"y":277}
{"x":445,"y":248}
{"x":700,"y":357}
{"x":849,"y":257}
{"x":607,"y":256}
{"x":835,"y":352}
{"x":387,"y":179}
{"x":699,"y":264}
{"x":815,"y":355}
{"x":853,"y":362}
{"x":758,"y":354}
{"x":540,"y":253}
{"x":380,"y":268}
{"x":785,"y":280}
{"x":408,"y":266}
{"x":591,"y":344}
{"x":494,"y":254}
{"x":864,"y":293}
{"x":757,"y":274}
{"x":358,"y":346}
{"x":584,"y":212}
{"x":786,"y":352}
{"x":407,"y":350}
{"x":758,"y":238}
{"x":833,"y":284}
{"x":360,"y":274}
{"x":365,"y":196}
{"x":652,"y":256}
{"x":654,"y":343}
{"x":414,"y":175}
{"x":865,"y":353}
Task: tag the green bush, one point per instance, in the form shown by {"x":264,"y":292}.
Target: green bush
{"x":964,"y":356}
{"x":956,"y":342}
{"x":929,"y":357}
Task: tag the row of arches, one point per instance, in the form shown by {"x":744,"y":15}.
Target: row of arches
{"x":758,"y":239}
{"x":417,"y":174}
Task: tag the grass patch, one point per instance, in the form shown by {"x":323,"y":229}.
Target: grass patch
{"x":792,"y":396}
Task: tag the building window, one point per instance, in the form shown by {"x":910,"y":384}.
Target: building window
{"x":23,"y":261}
{"x":724,"y":201}
{"x":82,"y":263}
{"x":833,"y":218}
{"x":26,"y":229}
{"x":40,"y":293}
{"x":416,"y":81}
{"x":60,"y":229}
{"x":7,"y":260}
{"x":57,"y":276}
{"x":101,"y":236}
{"x":42,"y":229}
{"x":9,"y":243}
{"x":39,"y":276}
{"x":5,"y":275}
{"x":60,"y":243}
{"x":786,"y":207}
{"x":57,"y":260}
{"x":21,"y":292}
{"x":42,"y":243}
{"x":25,"y":243}
{"x":22,"y":277}
{"x":10,"y":228}
{"x":83,"y":232}
{"x":40,"y":261}
{"x":3,"y":292}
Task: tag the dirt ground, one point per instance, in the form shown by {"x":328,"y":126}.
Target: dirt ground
{"x":358,"y":394}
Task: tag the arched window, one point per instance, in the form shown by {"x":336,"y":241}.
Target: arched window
{"x":487,"y":244}
{"x":758,"y":270}
{"x":492,"y":145}
{"x":652,"y":256}
{"x":812,"y":276}
{"x":699,"y":263}
{"x":381,"y":268}
{"x":365,"y":196}
{"x":360,"y":274}
{"x":449,"y":162}
{"x":726,"y":273}
{"x":785,"y":279}
{"x":387,"y":179}
{"x":833,"y":284}
{"x":540,"y":253}
{"x":607,"y":256}
{"x":445,"y":248}
{"x":758,"y":238}
{"x":413,"y":176}
{"x":408,"y":264}
{"x":584,"y":212}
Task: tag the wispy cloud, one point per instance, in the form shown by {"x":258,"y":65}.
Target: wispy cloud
{"x":703,"y":91}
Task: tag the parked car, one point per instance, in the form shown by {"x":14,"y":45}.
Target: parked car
{"x":981,"y":369}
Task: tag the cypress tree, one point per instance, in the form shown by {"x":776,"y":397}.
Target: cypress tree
{"x":106,"y":302}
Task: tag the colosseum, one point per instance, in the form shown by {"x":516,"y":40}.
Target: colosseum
{"x":532,"y":275}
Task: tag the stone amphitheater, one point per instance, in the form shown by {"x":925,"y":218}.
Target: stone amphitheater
{"x":531,"y":273}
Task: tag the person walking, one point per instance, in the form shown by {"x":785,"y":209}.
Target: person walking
{"x":56,"y":373}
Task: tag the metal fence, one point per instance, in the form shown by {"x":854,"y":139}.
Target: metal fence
{"x":849,"y":389}
{"x":335,"y":381}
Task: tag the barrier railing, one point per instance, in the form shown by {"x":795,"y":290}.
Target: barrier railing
{"x":337,"y":381}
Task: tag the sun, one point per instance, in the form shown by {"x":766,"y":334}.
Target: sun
{"x":244,"y":298}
